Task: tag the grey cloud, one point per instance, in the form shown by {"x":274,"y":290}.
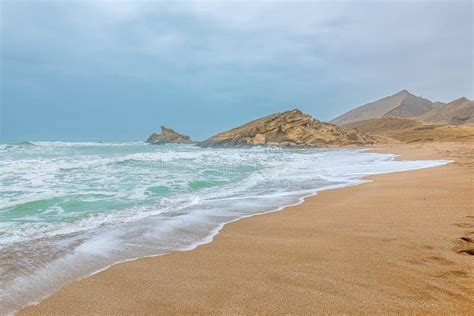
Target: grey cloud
{"x":237,"y":58}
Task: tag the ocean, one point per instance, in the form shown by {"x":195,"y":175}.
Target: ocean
{"x":70,"y":209}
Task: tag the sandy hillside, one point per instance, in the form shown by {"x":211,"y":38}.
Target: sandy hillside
{"x":410,"y":131}
{"x":460,"y":111}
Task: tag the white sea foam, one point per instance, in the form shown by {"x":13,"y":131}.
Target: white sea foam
{"x":83,"y":144}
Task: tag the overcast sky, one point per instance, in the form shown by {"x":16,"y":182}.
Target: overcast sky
{"x":102,"y":70}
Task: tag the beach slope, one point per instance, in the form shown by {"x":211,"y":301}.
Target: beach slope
{"x":399,"y":244}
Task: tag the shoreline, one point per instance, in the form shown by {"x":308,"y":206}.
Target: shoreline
{"x":214,"y":232}
{"x":212,"y":235}
{"x":58,"y":302}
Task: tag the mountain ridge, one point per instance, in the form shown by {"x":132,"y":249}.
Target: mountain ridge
{"x":457,"y":112}
{"x":400,"y":104}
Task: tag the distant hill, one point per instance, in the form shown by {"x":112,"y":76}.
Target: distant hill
{"x":411,"y":131}
{"x":288,"y":129}
{"x":458,"y":112}
{"x":401,"y":104}
{"x":384,"y":125}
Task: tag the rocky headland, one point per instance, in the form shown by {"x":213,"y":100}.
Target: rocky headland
{"x":168,"y":136}
{"x":288,"y":129}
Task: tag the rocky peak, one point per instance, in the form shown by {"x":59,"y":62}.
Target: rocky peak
{"x":401,"y":104}
{"x":168,"y":136}
{"x":461,"y":99}
{"x":404,"y":92}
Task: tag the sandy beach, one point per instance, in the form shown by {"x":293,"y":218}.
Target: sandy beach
{"x":401,"y":243}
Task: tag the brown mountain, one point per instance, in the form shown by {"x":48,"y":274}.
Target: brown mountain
{"x":288,"y":129}
{"x":168,"y":136}
{"x":458,"y":112}
{"x":401,"y":104}
{"x":411,"y":131}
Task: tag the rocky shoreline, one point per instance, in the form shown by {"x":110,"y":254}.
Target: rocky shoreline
{"x":290,"y":129}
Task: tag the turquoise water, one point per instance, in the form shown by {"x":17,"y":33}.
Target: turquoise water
{"x":47,"y":184}
{"x":70,"y":209}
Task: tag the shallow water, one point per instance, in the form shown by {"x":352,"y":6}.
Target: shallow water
{"x":70,"y":209}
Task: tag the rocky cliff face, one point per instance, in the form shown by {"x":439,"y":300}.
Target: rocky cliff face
{"x":288,"y":129}
{"x":168,"y":136}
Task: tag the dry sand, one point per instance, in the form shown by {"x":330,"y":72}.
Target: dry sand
{"x":390,"y":246}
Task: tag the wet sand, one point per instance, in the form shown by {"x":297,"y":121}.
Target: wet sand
{"x":399,"y":244}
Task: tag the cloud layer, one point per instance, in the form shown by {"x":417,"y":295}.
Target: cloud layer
{"x":117,"y":70}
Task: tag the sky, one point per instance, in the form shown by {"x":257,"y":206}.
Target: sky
{"x":114,"y":71}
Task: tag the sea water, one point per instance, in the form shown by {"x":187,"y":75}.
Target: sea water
{"x":69,"y":209}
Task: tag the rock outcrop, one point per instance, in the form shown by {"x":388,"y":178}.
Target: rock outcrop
{"x":288,"y":129}
{"x":168,"y":136}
